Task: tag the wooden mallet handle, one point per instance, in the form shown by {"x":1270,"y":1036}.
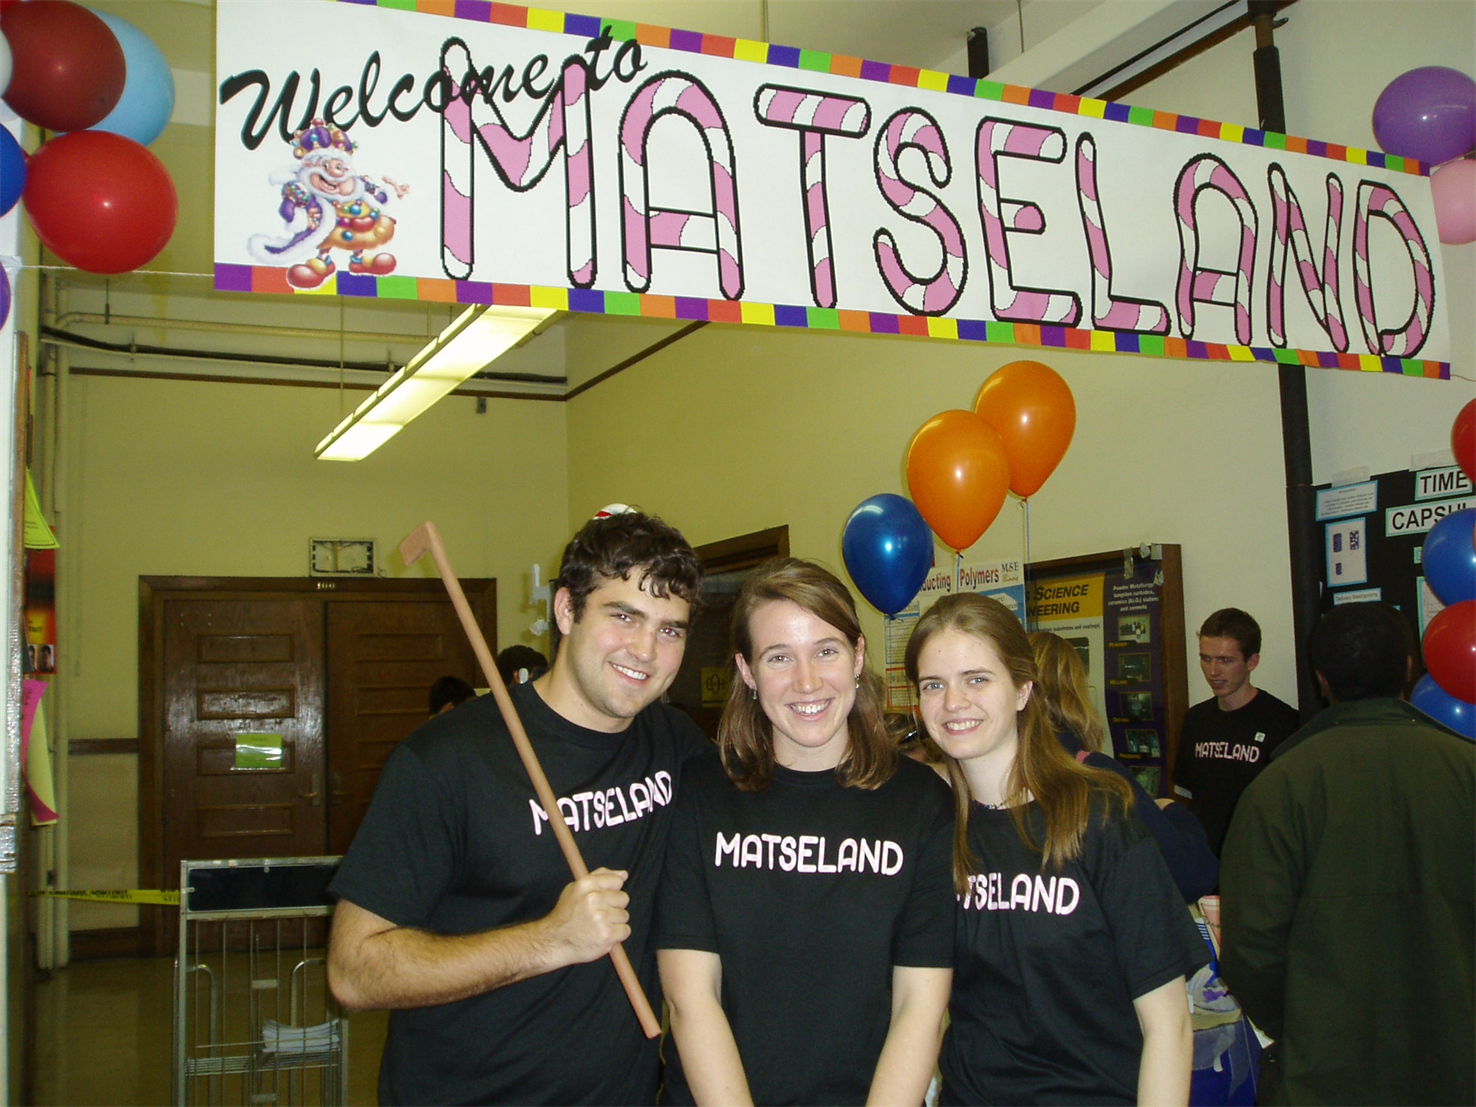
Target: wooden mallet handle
{"x":426,"y":539}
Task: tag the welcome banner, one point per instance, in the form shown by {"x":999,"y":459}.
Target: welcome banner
{"x":473,"y":152}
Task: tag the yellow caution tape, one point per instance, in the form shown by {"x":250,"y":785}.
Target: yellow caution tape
{"x":163,"y":897}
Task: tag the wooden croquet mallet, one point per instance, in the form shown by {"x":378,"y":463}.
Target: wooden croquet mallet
{"x":426,"y":539}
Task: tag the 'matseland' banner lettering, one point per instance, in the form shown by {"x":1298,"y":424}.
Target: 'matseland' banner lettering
{"x":482,"y":153}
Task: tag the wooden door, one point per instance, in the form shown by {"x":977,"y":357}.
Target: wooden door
{"x":383,"y":656}
{"x":242,"y":729}
{"x":700,"y":687}
{"x":226,"y":656}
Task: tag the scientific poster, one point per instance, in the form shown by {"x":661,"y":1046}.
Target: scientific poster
{"x":1000,"y":580}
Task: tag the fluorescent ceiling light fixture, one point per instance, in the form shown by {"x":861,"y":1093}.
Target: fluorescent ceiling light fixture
{"x":478,"y":336}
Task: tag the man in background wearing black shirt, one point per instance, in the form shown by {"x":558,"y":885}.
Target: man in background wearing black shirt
{"x":1226,"y":741}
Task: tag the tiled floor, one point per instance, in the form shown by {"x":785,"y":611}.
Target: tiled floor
{"x":103,"y":1036}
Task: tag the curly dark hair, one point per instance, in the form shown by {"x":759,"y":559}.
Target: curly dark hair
{"x":1363,"y":651}
{"x":617,"y":545}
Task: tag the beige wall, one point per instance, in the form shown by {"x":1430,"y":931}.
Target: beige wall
{"x":733,"y":430}
{"x":188,"y":478}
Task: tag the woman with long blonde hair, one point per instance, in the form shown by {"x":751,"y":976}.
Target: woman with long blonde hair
{"x":1066,"y":694}
{"x":1073,"y":944}
{"x":1063,"y":691}
{"x":805,"y":923}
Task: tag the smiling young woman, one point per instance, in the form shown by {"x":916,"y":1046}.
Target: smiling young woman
{"x":1073,"y":943}
{"x":806,"y":915}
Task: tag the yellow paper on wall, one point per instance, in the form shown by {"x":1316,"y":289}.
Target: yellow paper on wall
{"x":38,"y":533}
{"x":39,"y":779}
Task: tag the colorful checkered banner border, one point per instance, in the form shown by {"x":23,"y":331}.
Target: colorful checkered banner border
{"x":473,"y":152}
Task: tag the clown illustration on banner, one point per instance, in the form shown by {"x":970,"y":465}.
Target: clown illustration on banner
{"x":324,"y":180}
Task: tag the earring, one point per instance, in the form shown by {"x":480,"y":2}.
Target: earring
{"x":753,"y":694}
{"x":858,"y":683}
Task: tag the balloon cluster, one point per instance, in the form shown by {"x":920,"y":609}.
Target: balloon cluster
{"x":1429,"y":114}
{"x":960,"y":467}
{"x":1447,"y":692}
{"x":96,"y":198}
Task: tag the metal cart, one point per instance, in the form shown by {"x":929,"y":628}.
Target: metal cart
{"x":254,"y":1021}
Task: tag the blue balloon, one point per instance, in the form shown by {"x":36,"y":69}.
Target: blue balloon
{"x":1444,"y":708}
{"x":147,"y":102}
{"x":1449,"y":559}
{"x":888,"y":550}
{"x":12,"y":170}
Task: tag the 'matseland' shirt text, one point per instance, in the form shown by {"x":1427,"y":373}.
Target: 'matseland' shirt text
{"x":810,"y":893}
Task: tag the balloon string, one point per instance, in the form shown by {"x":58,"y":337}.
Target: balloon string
{"x":958,"y":571}
{"x":1025,"y":576}
{"x":1026,"y":505}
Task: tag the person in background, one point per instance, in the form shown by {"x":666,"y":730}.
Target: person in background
{"x":1064,"y":695}
{"x":456,"y":910}
{"x":1073,"y":943}
{"x":447,"y":692}
{"x":805,"y":921}
{"x":520,"y":664}
{"x":1229,"y":739}
{"x":1348,"y":887}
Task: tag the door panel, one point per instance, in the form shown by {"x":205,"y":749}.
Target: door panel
{"x":226,"y":656}
{"x":382,"y":659}
{"x":233,"y":668}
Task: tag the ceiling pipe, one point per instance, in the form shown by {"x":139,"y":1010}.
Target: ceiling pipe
{"x":255,"y":329}
{"x":57,"y":337}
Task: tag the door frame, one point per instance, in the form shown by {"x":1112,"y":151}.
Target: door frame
{"x":155,"y":938}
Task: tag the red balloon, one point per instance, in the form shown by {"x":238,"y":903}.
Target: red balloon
{"x":958,"y":476}
{"x":1035,"y":414}
{"x":1450,"y":650}
{"x":100,"y":201}
{"x":1463,"y":440}
{"x":67,"y":67}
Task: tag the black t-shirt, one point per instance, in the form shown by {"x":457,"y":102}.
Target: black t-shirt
{"x":455,"y":842}
{"x":809,"y":892}
{"x":1221,"y":752}
{"x":1048,"y":964}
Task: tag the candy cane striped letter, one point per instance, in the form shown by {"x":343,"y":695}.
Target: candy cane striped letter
{"x":1109,"y":312}
{"x":1405,"y":340}
{"x":933,"y":295}
{"x":1289,"y":237}
{"x":1003,"y":216}
{"x":521,"y":161}
{"x":643,"y":226}
{"x":1202,"y":284}
{"x":815,"y":116}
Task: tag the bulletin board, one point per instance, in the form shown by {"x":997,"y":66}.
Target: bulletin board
{"x":1373,"y":537}
{"x":1124,"y":612}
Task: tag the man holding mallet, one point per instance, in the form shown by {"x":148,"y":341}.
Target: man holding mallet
{"x":456,"y":909}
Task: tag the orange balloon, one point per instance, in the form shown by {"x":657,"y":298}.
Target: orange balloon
{"x":958,"y":476}
{"x":1033,"y":410}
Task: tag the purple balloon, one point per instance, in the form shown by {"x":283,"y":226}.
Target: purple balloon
{"x":1428,"y":114}
{"x":4,"y":295}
